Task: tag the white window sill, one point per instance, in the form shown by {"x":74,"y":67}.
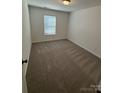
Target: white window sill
{"x":49,"y":34}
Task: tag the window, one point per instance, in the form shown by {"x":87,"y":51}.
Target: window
{"x":49,"y":25}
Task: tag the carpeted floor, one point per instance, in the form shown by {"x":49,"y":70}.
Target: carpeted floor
{"x":62,"y":67}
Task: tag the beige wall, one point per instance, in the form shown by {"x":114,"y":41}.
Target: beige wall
{"x":85,"y":29}
{"x":37,"y":24}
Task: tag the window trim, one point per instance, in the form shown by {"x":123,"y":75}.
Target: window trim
{"x":46,"y":34}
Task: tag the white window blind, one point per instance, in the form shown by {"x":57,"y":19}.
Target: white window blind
{"x":49,"y":25}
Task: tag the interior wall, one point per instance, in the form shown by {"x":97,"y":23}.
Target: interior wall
{"x":85,"y":29}
{"x":37,"y":24}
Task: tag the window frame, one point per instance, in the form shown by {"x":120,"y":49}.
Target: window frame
{"x":44,"y":25}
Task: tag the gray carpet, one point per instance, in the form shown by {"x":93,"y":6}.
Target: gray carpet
{"x":62,"y":67}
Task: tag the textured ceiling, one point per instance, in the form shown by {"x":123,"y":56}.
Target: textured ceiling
{"x":58,"y":5}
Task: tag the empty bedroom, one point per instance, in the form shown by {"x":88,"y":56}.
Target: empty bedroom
{"x":61,"y":46}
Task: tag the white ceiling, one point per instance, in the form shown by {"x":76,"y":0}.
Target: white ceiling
{"x":58,"y":5}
